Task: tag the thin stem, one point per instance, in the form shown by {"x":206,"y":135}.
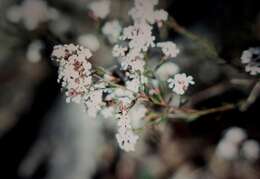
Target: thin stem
{"x":161,"y":62}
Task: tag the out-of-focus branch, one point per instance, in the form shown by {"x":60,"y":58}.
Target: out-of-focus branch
{"x":252,"y":97}
{"x":201,"y":113}
{"x":208,"y":93}
{"x":209,"y":48}
{"x":156,"y":119}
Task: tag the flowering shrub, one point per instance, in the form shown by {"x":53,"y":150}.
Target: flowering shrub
{"x":134,"y":82}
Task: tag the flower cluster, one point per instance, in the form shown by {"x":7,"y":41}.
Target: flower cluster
{"x":169,"y":49}
{"x":139,"y":36}
{"x":74,"y":70}
{"x":100,"y":92}
{"x":126,"y":137}
{"x":136,"y":41}
{"x":94,"y":100}
{"x":251,"y":58}
{"x":180,"y":83}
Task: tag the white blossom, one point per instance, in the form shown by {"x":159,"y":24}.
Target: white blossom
{"x":126,"y":137}
{"x":252,"y":69}
{"x":160,"y":15}
{"x":133,"y":64}
{"x":32,"y":13}
{"x":94,"y":102}
{"x":124,"y":122}
{"x":251,"y":58}
{"x":169,"y":49}
{"x":74,"y":70}
{"x":140,"y":36}
{"x":112,"y":30}
{"x":100,"y":8}
{"x":127,"y":140}
{"x":98,"y":93}
{"x":135,"y":81}
{"x":119,"y":51}
{"x":180,"y":83}
{"x":90,"y":41}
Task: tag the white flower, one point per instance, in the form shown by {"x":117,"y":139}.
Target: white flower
{"x":31,"y":13}
{"x":34,"y":51}
{"x":112,"y":30}
{"x":167,"y":69}
{"x":119,"y":51}
{"x":94,"y":102}
{"x":133,"y":62}
{"x":250,"y":150}
{"x":59,"y":51}
{"x":180,"y":83}
{"x":160,"y":15}
{"x":248,"y":54}
{"x":169,"y":49}
{"x":252,"y":69}
{"x":127,"y":140}
{"x":124,"y":122}
{"x":126,"y":137}
{"x":140,"y":36}
{"x":90,"y":41}
{"x":251,"y":58}
{"x":135,"y":81}
{"x":74,"y":70}
{"x":100,"y":8}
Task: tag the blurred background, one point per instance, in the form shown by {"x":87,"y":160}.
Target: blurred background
{"x":41,"y":136}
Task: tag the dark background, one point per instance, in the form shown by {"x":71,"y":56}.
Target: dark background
{"x":232,"y":24}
